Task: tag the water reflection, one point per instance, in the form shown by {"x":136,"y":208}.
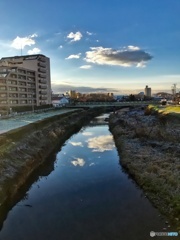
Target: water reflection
{"x":85,"y":196}
{"x":76,"y":144}
{"x":78,"y":162}
{"x":87,"y":133}
{"x":101,"y":143}
{"x":23,"y":193}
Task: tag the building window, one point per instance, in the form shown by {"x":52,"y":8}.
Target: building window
{"x":12,"y":89}
{"x":3,"y":88}
{"x":3,"y":95}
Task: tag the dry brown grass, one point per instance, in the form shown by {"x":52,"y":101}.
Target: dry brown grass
{"x":150,"y":152}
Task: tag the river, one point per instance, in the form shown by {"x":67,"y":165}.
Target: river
{"x":82,"y":193}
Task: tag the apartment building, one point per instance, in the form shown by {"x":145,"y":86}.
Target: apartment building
{"x":25,"y":80}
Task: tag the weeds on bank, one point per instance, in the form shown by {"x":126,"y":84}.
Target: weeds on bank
{"x":149,"y":151}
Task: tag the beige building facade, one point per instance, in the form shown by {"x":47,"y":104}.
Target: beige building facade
{"x":25,"y":80}
{"x":147,"y":91}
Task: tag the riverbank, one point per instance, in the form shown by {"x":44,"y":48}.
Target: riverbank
{"x":81,"y":192}
{"x":24,"y":149}
{"x":148,"y":144}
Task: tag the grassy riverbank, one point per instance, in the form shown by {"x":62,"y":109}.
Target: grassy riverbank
{"x":170,"y":110}
{"x":148,"y":143}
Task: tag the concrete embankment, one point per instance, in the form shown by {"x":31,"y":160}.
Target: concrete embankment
{"x":23,"y":150}
{"x":149,"y":151}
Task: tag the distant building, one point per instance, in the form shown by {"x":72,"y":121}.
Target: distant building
{"x":111,"y":95}
{"x":59,"y":101}
{"x":72,"y":94}
{"x":147,"y":91}
{"x":173,"y":89}
{"x":164,"y":95}
{"x":25,"y":81}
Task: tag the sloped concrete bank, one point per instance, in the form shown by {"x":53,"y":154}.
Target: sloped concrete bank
{"x":150,"y":152}
{"x":23,"y":150}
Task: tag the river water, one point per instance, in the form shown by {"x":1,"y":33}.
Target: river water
{"x":83,"y":194}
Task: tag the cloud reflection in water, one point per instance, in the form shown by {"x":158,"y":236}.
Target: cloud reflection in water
{"x":101,"y":144}
{"x":77,"y":144}
{"x":87,"y":133}
{"x":78,"y":161}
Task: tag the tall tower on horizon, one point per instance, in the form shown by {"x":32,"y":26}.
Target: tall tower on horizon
{"x":147,"y":91}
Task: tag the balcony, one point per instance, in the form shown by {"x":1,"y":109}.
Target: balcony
{"x":43,"y":92}
{"x":40,"y":64}
{"x":2,"y":82}
{"x":42,"y":70}
{"x":31,"y":91}
{"x":22,"y":77}
{"x":43,"y":98}
{"x":42,"y":75}
{"x":22,"y":90}
{"x":21,"y":71}
{"x":12,"y":82}
{"x":13,"y":89}
{"x":42,"y":81}
{"x":23,"y":102}
{"x":23,"y":96}
{"x":13,"y":95}
{"x":2,"y":89}
{"x":22,"y":84}
{"x":13,"y":101}
{"x":13,"y":76}
{"x":43,"y":87}
{"x":31,"y":79}
{"x":42,"y":59}
{"x":3,"y":102}
{"x":30,"y":73}
{"x":3,"y":95}
{"x":31,"y":85}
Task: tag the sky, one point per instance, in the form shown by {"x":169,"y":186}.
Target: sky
{"x":117,"y":46}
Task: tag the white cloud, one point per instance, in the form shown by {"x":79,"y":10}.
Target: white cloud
{"x":33,"y":35}
{"x":86,"y":67}
{"x":20,"y":43}
{"x":76,"y":56}
{"x":78,"y":161}
{"x":75,"y":36}
{"x":126,"y":57}
{"x":34,"y":51}
{"x":134,"y":48}
{"x":77,"y":144}
{"x":101,"y":144}
{"x":141,"y":65}
{"x":89,"y":33}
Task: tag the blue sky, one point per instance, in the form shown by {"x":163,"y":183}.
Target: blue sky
{"x":115,"y":46}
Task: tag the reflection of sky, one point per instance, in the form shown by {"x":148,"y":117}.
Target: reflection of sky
{"x":101,"y":117}
{"x":84,"y":184}
{"x":87,"y":133}
{"x":78,"y":162}
{"x":91,"y":164}
{"x":101,"y":143}
{"x":76,"y":144}
{"x":85,"y":149}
